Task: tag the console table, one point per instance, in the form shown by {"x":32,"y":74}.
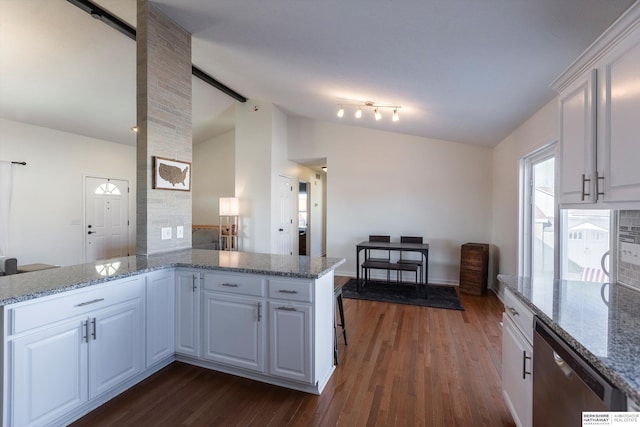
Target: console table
{"x":422,"y":248}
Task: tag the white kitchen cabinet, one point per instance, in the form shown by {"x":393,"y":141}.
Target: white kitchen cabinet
{"x":517,"y":383}
{"x":599,"y":103}
{"x":619,"y":124}
{"x":187,"y":326}
{"x":578,"y":141}
{"x":234,"y":330}
{"x":116,"y":345}
{"x":68,"y":349}
{"x":290,"y":340}
{"x":50,"y":374}
{"x":160,"y":291}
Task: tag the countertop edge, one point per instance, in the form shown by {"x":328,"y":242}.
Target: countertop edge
{"x":595,"y":361}
{"x":74,"y":285}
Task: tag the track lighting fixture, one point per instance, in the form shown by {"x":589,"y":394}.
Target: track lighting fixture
{"x":369,"y":104}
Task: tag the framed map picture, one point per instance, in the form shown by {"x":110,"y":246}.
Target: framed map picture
{"x":169,"y":174}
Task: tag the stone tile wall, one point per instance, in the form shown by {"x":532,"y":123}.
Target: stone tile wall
{"x":164,"y":108}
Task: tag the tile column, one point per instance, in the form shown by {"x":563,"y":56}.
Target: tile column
{"x":164,"y":127}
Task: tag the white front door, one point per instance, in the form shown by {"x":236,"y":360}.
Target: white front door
{"x":284,"y":237}
{"x":106,"y":218}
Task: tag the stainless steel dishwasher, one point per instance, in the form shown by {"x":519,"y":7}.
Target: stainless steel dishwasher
{"x":564,"y":385}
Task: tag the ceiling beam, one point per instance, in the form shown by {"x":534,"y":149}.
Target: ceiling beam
{"x":116,"y":23}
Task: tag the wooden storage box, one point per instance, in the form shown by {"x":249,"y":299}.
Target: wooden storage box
{"x":474,"y":266}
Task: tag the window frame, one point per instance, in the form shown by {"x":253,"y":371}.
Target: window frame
{"x":525,"y":203}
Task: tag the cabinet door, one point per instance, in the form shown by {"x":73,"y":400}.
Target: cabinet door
{"x":49,"y":373}
{"x":234,"y":329}
{"x":619,"y":123}
{"x":578,"y":141}
{"x":116,"y":345}
{"x":188,"y":313}
{"x":517,"y":383}
{"x":160,"y":314}
{"x":290,"y":340}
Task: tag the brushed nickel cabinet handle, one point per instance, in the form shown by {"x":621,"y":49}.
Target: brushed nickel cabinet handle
{"x":513,"y":311}
{"x":230,"y":285}
{"x":287,"y":308}
{"x":598,"y":178}
{"x":193,"y":282}
{"x":85,"y":326}
{"x":286,"y":291}
{"x":93,"y":334}
{"x":89,"y":302}
{"x":584,"y":193}
{"x":259,"y":311}
{"x":524,"y":364}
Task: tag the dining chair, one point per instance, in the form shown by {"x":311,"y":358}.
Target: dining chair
{"x":405,"y":257}
{"x":380,"y":259}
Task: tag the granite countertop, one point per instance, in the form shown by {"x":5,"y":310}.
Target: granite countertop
{"x":599,"y":321}
{"x":26,"y":286}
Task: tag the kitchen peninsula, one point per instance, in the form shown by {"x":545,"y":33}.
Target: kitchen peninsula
{"x":74,"y":337}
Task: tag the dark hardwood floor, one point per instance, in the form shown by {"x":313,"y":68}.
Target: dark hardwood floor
{"x":404,"y":366}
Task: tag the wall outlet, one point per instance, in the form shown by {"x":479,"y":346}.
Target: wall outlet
{"x":180,"y":232}
{"x":166,"y":233}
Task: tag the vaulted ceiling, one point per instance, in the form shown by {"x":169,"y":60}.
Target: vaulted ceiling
{"x":463,"y":70}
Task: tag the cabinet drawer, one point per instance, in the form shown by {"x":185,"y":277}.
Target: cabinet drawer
{"x":290,"y":290}
{"x":243,"y":284}
{"x":52,"y":309}
{"x":521,"y":315}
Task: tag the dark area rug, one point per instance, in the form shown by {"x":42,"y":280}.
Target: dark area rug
{"x":404,"y":293}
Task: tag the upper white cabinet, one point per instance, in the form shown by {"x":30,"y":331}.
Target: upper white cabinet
{"x":578,"y":140}
{"x":619,"y":128}
{"x":599,"y":107}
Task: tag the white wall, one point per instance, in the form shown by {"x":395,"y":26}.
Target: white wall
{"x":253,"y":175}
{"x":47,"y":211}
{"x":213,"y":176}
{"x":538,"y":131}
{"x":386,"y":183}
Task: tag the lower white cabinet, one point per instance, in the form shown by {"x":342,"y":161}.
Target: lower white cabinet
{"x":290,"y":340}
{"x":187,"y":318}
{"x":234,"y":330}
{"x":91,"y":344}
{"x":517,"y":362}
{"x":160,"y":291}
{"x":50,"y":374}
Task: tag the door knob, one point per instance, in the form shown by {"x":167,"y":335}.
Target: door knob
{"x":280,"y":229}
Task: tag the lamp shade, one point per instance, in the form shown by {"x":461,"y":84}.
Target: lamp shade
{"x":229,"y":206}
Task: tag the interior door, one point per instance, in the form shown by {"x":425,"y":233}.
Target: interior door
{"x":106,"y":218}
{"x":284,"y":240}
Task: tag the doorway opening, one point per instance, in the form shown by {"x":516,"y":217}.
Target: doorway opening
{"x":304,"y":220}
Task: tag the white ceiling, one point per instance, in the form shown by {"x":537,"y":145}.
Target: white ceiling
{"x":463,"y":70}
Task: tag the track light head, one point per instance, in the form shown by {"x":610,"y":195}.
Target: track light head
{"x":359,"y":113}
{"x":377,"y":114}
{"x":341,"y":112}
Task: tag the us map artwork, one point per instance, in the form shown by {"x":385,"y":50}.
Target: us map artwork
{"x":173,"y":174}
